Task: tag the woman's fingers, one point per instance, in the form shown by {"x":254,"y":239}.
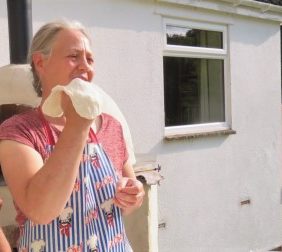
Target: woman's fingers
{"x":130,"y":193}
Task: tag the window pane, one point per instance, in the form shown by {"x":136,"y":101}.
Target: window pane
{"x":193,"y":37}
{"x":194,"y":91}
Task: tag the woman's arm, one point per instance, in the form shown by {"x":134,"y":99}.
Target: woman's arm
{"x":4,"y":244}
{"x":41,"y":190}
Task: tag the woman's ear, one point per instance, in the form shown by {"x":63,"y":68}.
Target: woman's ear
{"x":38,"y":61}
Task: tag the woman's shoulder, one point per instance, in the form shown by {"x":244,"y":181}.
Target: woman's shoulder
{"x":23,"y":125}
{"x":25,"y":128}
{"x":110,"y":128}
{"x":109,"y":120}
{"x":27,"y":117}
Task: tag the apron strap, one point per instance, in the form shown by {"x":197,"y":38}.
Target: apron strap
{"x":93,"y":136}
{"x":46,"y":127}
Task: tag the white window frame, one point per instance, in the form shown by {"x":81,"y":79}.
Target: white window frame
{"x":206,"y":53}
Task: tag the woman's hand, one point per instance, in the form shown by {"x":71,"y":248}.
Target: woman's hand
{"x":72,"y":117}
{"x":129,"y":194}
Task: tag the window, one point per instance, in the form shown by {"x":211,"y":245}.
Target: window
{"x":195,"y":81}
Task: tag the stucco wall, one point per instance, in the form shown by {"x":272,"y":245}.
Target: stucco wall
{"x":205,"y":178}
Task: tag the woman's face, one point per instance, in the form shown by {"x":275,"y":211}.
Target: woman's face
{"x":71,"y":57}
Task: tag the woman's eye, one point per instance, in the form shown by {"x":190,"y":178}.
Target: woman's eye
{"x":90,"y":60}
{"x":73,"y":56}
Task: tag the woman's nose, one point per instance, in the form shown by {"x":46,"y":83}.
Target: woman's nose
{"x":85,"y":65}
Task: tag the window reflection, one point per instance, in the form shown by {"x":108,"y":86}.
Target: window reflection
{"x":194,"y":90}
{"x":184,"y":36}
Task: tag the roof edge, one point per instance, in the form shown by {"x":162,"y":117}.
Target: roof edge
{"x":249,"y":8}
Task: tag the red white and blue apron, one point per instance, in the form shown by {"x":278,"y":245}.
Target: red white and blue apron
{"x":90,"y":221}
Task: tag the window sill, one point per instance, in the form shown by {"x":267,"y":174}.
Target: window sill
{"x":199,"y":134}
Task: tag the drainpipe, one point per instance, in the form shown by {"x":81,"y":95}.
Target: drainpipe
{"x":20,"y":29}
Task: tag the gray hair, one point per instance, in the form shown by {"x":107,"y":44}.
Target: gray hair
{"x":43,"y":41}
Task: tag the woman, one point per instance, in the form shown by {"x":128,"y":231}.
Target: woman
{"x":70,"y":192}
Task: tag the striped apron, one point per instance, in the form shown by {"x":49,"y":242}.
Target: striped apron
{"x":90,"y":222}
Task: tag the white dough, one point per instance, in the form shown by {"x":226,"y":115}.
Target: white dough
{"x":85,"y":99}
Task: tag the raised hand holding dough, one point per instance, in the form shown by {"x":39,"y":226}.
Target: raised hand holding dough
{"x":85,"y":99}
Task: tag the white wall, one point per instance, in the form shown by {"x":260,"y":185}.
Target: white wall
{"x":205,"y":178}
